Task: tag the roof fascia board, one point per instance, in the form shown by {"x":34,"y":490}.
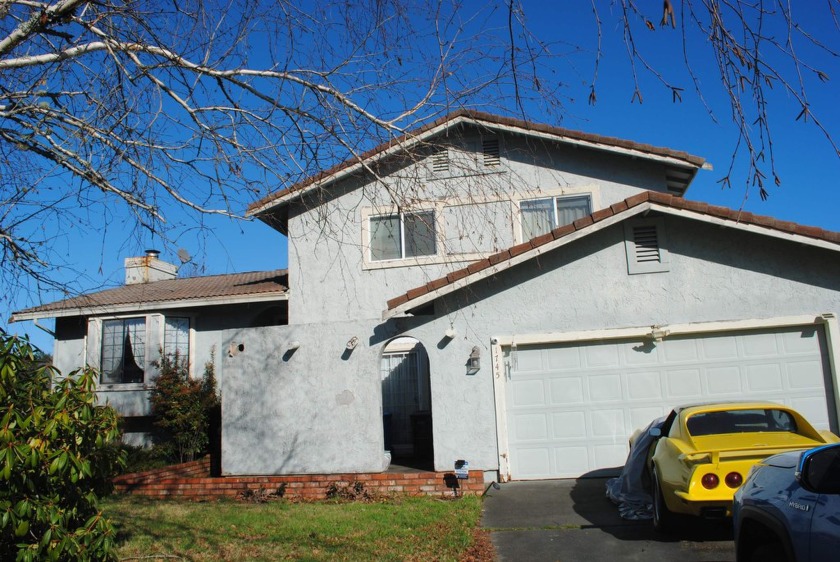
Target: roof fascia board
{"x":399,"y":146}
{"x":525,"y":256}
{"x":746,"y":227}
{"x":595,"y":145}
{"x":148,"y":306}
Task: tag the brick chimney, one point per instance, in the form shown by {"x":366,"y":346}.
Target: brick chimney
{"x":148,"y":269}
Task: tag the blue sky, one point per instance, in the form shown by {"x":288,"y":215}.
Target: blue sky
{"x":805,"y":161}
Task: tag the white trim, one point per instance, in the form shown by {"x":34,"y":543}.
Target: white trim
{"x":499,"y":373}
{"x":129,"y":308}
{"x":829,"y":321}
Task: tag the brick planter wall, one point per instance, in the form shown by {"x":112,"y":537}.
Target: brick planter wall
{"x":192,"y":481}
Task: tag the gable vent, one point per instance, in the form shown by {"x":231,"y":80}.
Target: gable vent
{"x":440,"y":161}
{"x":647,"y":244}
{"x":490,"y":148}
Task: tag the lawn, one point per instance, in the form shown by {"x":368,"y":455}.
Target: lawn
{"x":419,"y":528}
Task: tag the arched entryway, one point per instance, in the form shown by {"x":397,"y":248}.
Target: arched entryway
{"x":407,"y":403}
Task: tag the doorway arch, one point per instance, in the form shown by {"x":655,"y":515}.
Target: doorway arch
{"x":407,"y":402}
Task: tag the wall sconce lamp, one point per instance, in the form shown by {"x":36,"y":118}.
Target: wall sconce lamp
{"x":352,"y":342}
{"x":293,"y":345}
{"x":474,"y":362}
{"x":450,"y":333}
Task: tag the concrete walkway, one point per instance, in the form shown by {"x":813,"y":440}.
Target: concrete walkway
{"x":569,"y":520}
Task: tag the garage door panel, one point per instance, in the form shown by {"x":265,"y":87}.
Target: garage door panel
{"x":805,"y":375}
{"x":528,"y":393}
{"x":571,"y":408}
{"x":569,"y":425}
{"x":563,"y":359}
{"x":679,"y":350}
{"x":724,"y":381}
{"x":604,"y":388}
{"x":684,"y":384}
{"x":644,"y":386}
{"x":567,"y":390}
{"x":764,"y":378}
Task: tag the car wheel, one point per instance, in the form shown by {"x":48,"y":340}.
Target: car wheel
{"x":663,"y":519}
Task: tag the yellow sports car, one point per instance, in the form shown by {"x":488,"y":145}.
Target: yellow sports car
{"x":703,"y":453}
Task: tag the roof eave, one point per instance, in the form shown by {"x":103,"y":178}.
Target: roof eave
{"x":95,"y":310}
{"x":685,"y":167}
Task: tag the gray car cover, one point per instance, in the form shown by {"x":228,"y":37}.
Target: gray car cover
{"x":628,"y":489}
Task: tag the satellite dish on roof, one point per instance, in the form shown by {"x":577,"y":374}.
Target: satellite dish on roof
{"x":184,"y":256}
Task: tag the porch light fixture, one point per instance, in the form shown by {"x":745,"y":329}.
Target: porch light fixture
{"x":293,"y":345}
{"x":352,"y":342}
{"x":450,"y":333}
{"x":474,"y":362}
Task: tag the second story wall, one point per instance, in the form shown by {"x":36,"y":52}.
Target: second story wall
{"x":368,"y":238}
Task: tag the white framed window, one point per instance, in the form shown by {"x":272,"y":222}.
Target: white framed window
{"x":123,"y":358}
{"x":403,"y":235}
{"x":126,"y":348}
{"x":539,"y":216}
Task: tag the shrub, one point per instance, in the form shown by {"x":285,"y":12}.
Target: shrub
{"x":57,"y":457}
{"x":181,"y":407}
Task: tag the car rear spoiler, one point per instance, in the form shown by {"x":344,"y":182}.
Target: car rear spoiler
{"x":714,"y":455}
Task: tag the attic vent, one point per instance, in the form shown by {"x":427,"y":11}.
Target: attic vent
{"x":440,"y":161}
{"x":644,"y":242}
{"x":490,"y":148}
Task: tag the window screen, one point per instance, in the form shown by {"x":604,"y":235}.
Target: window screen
{"x":176,"y":338}
{"x":123,"y":350}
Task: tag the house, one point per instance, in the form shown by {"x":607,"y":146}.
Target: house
{"x":521,"y":297}
{"x":123,"y":331}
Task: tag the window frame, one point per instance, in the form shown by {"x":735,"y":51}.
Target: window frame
{"x":155,"y":334}
{"x":368,"y":215}
{"x":143,"y":364}
{"x":554,"y":198}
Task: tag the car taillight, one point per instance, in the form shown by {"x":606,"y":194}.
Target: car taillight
{"x":710,"y":481}
{"x":733,"y":479}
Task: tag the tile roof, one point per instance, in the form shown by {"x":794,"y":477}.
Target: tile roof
{"x":181,"y":292}
{"x":664,"y":201}
{"x":488,"y":119}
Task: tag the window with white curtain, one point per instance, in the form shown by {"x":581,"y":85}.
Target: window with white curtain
{"x":539,"y":216}
{"x":403,"y":235}
{"x":123,"y":350}
{"x":176,"y":338}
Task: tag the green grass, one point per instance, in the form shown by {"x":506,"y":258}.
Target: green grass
{"x":397,"y":529}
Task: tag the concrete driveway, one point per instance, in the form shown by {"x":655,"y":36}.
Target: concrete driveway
{"x":570,"y":520}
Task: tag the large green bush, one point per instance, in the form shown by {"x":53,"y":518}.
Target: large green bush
{"x":57,"y":457}
{"x":181,"y":407}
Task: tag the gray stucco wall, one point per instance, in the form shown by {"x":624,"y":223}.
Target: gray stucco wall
{"x":318,"y":412}
{"x":328,"y":276}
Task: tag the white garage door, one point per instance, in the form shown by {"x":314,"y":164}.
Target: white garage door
{"x":570,"y":408}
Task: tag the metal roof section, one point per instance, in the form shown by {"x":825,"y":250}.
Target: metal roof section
{"x":681,"y":166}
{"x":638,"y":204}
{"x":211,"y":290}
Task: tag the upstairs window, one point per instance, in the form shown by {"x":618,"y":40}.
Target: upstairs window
{"x":404,"y":235}
{"x":539,"y":216}
{"x":123,"y":350}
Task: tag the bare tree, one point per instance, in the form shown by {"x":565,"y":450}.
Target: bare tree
{"x":118,"y":115}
